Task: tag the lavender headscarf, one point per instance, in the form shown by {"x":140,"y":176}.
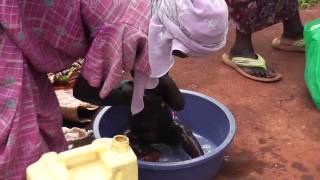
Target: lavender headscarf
{"x":195,"y":27}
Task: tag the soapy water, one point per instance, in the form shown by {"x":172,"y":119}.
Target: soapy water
{"x":176,"y":153}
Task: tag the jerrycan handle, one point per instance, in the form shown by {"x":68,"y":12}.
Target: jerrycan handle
{"x":82,"y":155}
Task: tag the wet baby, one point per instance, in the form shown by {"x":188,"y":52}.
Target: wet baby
{"x":156,"y":123}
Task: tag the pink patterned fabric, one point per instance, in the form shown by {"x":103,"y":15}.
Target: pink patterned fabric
{"x":42,"y":36}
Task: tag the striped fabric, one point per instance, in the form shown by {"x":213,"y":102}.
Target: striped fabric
{"x":42,"y":36}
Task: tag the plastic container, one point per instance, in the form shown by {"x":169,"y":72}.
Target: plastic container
{"x":312,"y":69}
{"x":104,"y":159}
{"x":207,"y":118}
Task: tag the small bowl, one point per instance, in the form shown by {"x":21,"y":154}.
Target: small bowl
{"x":204,"y":115}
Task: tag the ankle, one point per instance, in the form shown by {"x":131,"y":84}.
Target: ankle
{"x":293,"y":35}
{"x":243,"y":53}
{"x":293,"y":28}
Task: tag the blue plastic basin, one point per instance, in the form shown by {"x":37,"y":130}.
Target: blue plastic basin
{"x":206,"y":116}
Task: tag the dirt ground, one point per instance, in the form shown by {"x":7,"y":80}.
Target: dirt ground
{"x":278,"y":127}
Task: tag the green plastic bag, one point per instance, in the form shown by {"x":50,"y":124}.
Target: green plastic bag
{"x":312,"y":69}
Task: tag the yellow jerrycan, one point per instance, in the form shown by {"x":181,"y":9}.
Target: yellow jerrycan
{"x":104,"y":159}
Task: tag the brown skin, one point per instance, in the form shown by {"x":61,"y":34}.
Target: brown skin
{"x":122,"y":95}
{"x":155,"y":123}
{"x":179,"y":54}
{"x":83,"y":91}
{"x":188,"y":141}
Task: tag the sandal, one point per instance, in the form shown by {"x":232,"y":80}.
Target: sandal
{"x":238,"y":62}
{"x":288,"y":44}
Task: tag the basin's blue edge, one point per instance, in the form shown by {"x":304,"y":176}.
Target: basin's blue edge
{"x":188,"y":163}
{"x":97,"y":120}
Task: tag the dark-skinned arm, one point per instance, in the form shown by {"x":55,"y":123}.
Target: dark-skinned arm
{"x":168,"y":89}
{"x":84,"y":92}
{"x":123,"y":94}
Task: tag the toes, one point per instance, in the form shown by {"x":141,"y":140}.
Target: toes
{"x":260,"y":72}
{"x":249,"y":71}
{"x":254,"y":71}
{"x":270,"y":73}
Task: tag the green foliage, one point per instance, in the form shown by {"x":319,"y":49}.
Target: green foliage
{"x":307,"y":3}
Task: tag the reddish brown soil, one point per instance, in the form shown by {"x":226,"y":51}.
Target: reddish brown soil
{"x":278,"y":127}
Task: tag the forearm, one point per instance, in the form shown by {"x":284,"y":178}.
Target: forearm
{"x":84,"y":92}
{"x":123,"y":94}
{"x":171,"y":93}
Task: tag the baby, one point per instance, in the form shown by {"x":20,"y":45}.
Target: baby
{"x":156,"y":122}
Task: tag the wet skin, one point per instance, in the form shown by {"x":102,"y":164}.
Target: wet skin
{"x":155,"y":123}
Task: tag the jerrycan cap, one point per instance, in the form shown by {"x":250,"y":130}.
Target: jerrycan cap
{"x":120,"y":143}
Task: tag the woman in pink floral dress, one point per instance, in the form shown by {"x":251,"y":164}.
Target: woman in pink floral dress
{"x":46,"y":36}
{"x":42,"y":36}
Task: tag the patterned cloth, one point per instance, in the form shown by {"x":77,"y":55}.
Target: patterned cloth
{"x":67,"y":77}
{"x":195,"y":27}
{"x":254,"y":15}
{"x":42,"y":36}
